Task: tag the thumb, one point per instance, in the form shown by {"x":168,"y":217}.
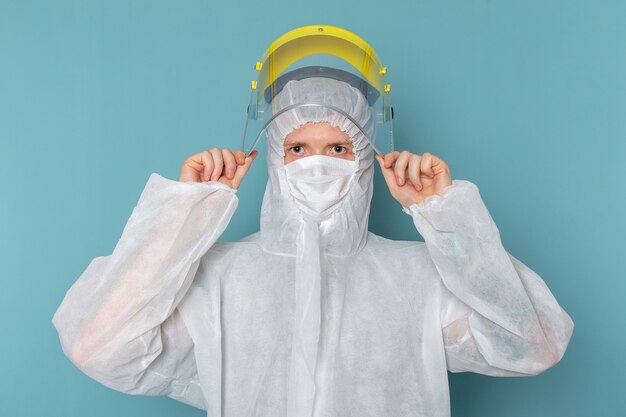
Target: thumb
{"x":242,"y":170}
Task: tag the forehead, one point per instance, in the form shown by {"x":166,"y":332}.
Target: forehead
{"x":317,"y":133}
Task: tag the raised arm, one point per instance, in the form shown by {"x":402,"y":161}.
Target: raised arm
{"x":118,"y":323}
{"x":110,"y":320}
{"x":498,"y":316}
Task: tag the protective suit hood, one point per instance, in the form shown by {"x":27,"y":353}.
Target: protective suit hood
{"x":344,"y":230}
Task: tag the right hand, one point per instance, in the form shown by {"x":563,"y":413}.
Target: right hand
{"x":223,"y":165}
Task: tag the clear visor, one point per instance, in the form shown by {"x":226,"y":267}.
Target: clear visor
{"x":320,"y":52}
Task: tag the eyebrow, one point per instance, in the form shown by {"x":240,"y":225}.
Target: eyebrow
{"x":342,"y":142}
{"x":292,"y":143}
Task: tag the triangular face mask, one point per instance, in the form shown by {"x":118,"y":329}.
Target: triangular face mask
{"x":319,"y":183}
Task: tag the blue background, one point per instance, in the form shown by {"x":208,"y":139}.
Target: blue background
{"x":527,"y":99}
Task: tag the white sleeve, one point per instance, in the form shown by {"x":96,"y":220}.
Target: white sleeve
{"x":498,"y":316}
{"x":118,"y":322}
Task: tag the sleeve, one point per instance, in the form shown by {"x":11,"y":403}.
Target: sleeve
{"x":118,"y":323}
{"x":498,"y":317}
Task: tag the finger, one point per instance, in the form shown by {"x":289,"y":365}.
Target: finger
{"x":441,"y":172}
{"x":218,"y":166}
{"x":207,"y":161}
{"x":390,"y":158}
{"x":414,"y":171}
{"x":230,"y":165}
{"x":442,"y":180}
{"x":242,"y":170}
{"x":191,"y":169}
{"x":427,"y":165}
{"x":388,"y":175}
{"x":438,"y":166}
{"x":240,"y":157}
{"x":400,"y":167}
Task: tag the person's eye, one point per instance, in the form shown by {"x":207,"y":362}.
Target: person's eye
{"x":338,"y":149}
{"x":296,"y":149}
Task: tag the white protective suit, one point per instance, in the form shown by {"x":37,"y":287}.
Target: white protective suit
{"x":311,"y":316}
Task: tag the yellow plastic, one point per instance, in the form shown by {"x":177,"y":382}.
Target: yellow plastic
{"x":321,"y":39}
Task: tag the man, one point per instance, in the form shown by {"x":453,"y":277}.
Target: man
{"x":313,"y":315}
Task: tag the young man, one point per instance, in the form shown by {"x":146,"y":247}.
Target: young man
{"x":313,"y":315}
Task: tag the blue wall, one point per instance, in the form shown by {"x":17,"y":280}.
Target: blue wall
{"x":527,"y":99}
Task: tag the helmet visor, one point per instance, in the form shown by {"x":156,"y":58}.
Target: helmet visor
{"x":320,"y":52}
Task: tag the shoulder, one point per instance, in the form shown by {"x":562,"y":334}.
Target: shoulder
{"x":406,"y":264}
{"x":401,"y":257}
{"x":222,"y":258}
{"x":375,"y":243}
{"x":246,"y":245}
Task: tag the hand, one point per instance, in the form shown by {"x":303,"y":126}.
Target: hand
{"x":414,"y":178}
{"x":223,"y":165}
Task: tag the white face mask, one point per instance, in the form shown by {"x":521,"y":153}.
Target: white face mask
{"x":318,"y":183}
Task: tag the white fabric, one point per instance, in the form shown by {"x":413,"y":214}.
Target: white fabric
{"x":319,"y":206}
{"x":173,"y":312}
{"x":318,"y":185}
{"x":306,"y":330}
{"x":321,"y":91}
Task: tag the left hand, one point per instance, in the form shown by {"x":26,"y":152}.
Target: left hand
{"x":414,"y":177}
